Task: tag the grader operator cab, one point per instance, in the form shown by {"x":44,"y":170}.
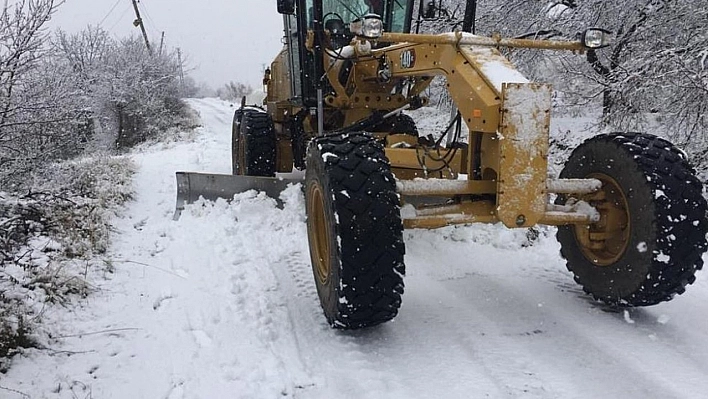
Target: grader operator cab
{"x":629,"y":209}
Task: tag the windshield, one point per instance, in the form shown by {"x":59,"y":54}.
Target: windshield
{"x":347,"y":10}
{"x":399,"y":20}
{"x":395,"y":20}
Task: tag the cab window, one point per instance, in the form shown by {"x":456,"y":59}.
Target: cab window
{"x":399,"y":16}
{"x":347,"y":10}
{"x":350,"y":10}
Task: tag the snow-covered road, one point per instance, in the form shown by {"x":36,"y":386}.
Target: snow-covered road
{"x":222,"y":304}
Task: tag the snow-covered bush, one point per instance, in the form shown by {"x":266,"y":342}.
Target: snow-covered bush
{"x":77,"y":93}
{"x":234,"y":91}
{"x":59,"y":100}
{"x":130,"y":93}
{"x":91,"y":188}
{"x":49,"y":238}
{"x":25,"y":106}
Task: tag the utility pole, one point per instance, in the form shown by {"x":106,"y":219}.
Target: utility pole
{"x":139,"y":22}
{"x":181,"y":68}
{"x":162,"y":42}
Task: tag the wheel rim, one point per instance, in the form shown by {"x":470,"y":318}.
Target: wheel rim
{"x":604,"y":242}
{"x":320,"y":245}
{"x":242,"y":155}
{"x":235,"y":152}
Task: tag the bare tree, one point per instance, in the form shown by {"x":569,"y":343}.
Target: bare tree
{"x":234,"y":91}
{"x":653,"y":77}
{"x":22,"y":38}
{"x":142,"y":91}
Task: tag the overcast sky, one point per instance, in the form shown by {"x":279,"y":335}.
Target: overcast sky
{"x":223,"y":40}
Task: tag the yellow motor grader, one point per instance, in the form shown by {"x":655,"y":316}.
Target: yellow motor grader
{"x":629,"y":209}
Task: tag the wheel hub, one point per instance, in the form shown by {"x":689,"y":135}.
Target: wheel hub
{"x":604,"y":242}
{"x":317,"y":229}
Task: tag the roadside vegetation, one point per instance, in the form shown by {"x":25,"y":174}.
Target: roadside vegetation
{"x":70,"y":105}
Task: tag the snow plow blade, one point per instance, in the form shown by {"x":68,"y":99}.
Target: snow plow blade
{"x":191,"y":186}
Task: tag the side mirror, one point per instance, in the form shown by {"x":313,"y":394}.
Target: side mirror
{"x":430,"y":10}
{"x":286,"y":7}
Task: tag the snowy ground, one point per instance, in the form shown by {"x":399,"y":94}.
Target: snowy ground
{"x":221,"y":304}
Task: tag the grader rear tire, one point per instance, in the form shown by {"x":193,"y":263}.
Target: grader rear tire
{"x":652,"y":234}
{"x":355,"y":231}
{"x":253,"y":145}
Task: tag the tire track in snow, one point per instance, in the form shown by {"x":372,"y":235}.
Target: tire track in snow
{"x":215,"y":112}
{"x":303,"y":346}
{"x":251,"y":297}
{"x":549,"y":343}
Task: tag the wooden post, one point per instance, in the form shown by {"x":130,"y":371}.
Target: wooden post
{"x":181,"y":68}
{"x":162,"y":42}
{"x":139,"y":22}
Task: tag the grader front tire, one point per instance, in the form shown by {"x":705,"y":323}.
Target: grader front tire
{"x":652,"y":234}
{"x":253,"y":145}
{"x":355,"y":231}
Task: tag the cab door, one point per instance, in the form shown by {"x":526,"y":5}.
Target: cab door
{"x":292,"y":41}
{"x":297,"y":20}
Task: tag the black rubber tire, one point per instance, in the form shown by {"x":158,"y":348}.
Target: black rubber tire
{"x":399,"y":124}
{"x":361,"y":228}
{"x":253,"y":149}
{"x":235,"y":136}
{"x":667,"y":220}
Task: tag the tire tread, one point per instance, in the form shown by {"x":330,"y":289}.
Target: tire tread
{"x":680,"y":213}
{"x":260,"y":140}
{"x":370,"y":228}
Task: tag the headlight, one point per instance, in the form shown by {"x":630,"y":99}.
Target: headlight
{"x":370,"y":26}
{"x":596,"y":38}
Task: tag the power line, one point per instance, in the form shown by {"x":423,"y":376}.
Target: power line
{"x":109,"y":13}
{"x":127,"y":7}
{"x":149,"y":18}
